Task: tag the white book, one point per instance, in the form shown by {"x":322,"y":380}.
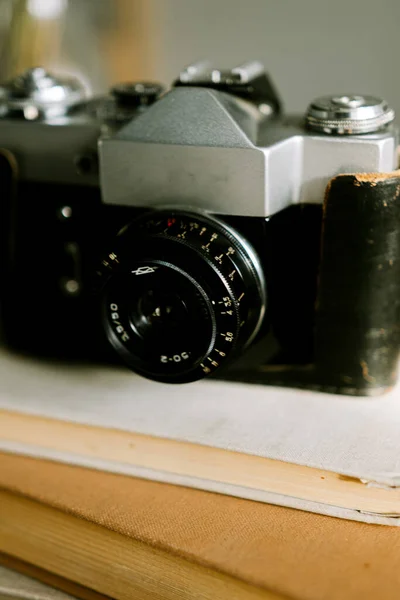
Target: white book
{"x":15,"y":586}
{"x":324,"y":453}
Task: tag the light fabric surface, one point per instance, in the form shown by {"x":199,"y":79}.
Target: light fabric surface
{"x":358,"y":437}
{"x":354,"y":436}
{"x":301,"y":555}
{"x":15,"y":586}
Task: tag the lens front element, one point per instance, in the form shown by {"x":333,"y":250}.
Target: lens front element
{"x":160,"y":319}
{"x":158,"y":309}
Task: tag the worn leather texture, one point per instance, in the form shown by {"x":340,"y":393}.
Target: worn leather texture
{"x":358,"y":304}
{"x":301,"y":555}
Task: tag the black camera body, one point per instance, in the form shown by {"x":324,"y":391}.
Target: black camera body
{"x":54,"y":224}
{"x":199,"y":232}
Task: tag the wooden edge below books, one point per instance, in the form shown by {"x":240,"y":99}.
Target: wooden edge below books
{"x":249,"y":549}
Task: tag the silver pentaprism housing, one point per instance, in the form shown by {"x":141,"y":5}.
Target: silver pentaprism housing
{"x":203,"y":145}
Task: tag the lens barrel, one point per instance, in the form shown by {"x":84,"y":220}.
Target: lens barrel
{"x":181,"y":294}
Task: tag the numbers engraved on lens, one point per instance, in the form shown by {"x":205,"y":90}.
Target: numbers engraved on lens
{"x":226,"y":301}
{"x":231,"y":251}
{"x":206,"y":370}
{"x":213,"y":362}
{"x":144,"y":270}
{"x":220,"y":352}
{"x":183,"y":227}
{"x":219,"y":258}
{"x":119,"y":328}
{"x":226,"y":312}
{"x":175,"y":357}
{"x":112,"y":256}
{"x":206,"y":247}
{"x":228,"y":336}
{"x":232,"y":275}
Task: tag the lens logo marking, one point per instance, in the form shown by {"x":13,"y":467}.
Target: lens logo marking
{"x":144,"y":270}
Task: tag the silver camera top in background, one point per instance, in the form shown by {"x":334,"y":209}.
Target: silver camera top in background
{"x":208,"y":144}
{"x":36,"y":94}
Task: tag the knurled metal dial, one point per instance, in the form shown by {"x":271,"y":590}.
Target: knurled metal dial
{"x":37,"y":94}
{"x":348,"y":114}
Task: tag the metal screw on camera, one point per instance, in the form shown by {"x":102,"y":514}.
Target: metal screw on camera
{"x":348,"y":114}
{"x":65,"y":212}
{"x":71,"y":287}
{"x":349,"y":101}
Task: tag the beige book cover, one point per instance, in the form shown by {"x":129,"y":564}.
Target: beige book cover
{"x":263,"y":550}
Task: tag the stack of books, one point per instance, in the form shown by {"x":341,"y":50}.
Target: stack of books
{"x":114,"y":486}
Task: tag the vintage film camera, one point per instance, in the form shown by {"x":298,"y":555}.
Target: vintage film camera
{"x":218,"y":237}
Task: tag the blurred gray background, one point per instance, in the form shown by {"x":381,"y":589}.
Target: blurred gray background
{"x":310,"y":47}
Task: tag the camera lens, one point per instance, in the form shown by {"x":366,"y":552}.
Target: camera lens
{"x":182,"y":293}
{"x":158,"y":309}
